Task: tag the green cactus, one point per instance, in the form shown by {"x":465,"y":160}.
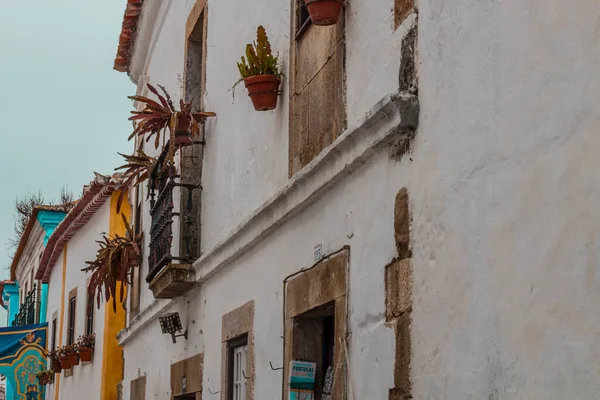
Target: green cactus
{"x":259,"y":59}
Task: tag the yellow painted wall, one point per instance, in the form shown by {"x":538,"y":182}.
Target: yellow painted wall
{"x":112,"y":353}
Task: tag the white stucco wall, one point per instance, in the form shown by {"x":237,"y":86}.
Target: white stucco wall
{"x":86,"y":377}
{"x":506,"y":190}
{"x":29,"y":261}
{"x":504,"y":186}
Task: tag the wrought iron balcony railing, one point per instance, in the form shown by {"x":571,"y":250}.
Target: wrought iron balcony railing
{"x":163,"y":181}
{"x":28,"y":312}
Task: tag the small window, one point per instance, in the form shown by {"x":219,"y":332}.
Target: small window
{"x":238,"y":361}
{"x":304,"y":20}
{"x":54,"y":325}
{"x":71,"y":333}
{"x":89,"y":315}
{"x":136,"y":282}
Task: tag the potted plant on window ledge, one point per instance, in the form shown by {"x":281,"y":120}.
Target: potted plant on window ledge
{"x":54,"y":357}
{"x":72,"y":354}
{"x":324,"y":12}
{"x":158,"y":116}
{"x":45,"y":377}
{"x":114,"y":263}
{"x":85,"y":344}
{"x":137,"y":170}
{"x":260,"y":72}
{"x":65,"y":360}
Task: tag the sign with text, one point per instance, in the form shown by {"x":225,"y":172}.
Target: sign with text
{"x":302,"y":380}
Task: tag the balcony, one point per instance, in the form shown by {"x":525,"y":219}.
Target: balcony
{"x":170,"y":265}
{"x":29,"y":310}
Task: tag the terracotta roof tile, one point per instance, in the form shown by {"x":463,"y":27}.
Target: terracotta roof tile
{"x":133,"y":10}
{"x":94,"y":196}
{"x":27,"y":232}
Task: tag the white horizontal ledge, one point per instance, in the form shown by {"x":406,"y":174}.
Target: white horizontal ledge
{"x":391,"y":118}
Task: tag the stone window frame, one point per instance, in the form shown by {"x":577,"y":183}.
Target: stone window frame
{"x":310,"y":290}
{"x":236,"y":324}
{"x":193,"y":156}
{"x":299,"y":105}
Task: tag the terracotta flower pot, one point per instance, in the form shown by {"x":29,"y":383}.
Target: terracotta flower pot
{"x":183,"y":132}
{"x":263,"y":91}
{"x":73,"y":358}
{"x":85,"y":354}
{"x":56,"y":367}
{"x":324,"y":12}
{"x":65,"y":362}
{"x":43,"y":380}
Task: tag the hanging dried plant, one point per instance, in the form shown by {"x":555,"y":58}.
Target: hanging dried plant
{"x":115,"y":260}
{"x":137,"y":170}
{"x":157,"y":117}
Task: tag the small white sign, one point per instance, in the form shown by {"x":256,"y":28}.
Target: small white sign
{"x":318,"y":252}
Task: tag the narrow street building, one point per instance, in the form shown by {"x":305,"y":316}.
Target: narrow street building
{"x":72,"y":311}
{"x":24,"y":297}
{"x":417,"y":217}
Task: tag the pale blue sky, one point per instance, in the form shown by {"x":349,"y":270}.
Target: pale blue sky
{"x":63,"y":108}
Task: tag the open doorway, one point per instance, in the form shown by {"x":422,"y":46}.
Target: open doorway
{"x":314,"y":341}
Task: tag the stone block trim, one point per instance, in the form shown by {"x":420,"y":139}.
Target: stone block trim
{"x":398,"y":289}
{"x":237,"y":323}
{"x":403,"y":355}
{"x":402,"y":222}
{"x":399,"y":298}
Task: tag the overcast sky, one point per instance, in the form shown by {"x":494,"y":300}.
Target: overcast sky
{"x":63,"y":109}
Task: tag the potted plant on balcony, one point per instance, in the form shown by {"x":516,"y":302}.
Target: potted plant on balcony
{"x":324,"y":12}
{"x":157,"y":117}
{"x":85,"y":344}
{"x":260,"y":72}
{"x":54,"y":357}
{"x":115,"y":260}
{"x":137,"y":169}
{"x":65,"y":360}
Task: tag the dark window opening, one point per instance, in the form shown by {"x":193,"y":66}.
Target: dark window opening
{"x":136,"y":281}
{"x":195,"y":68}
{"x":54,"y":325}
{"x":304,"y":20}
{"x":186,"y":397}
{"x":71,"y":333}
{"x":314,"y":341}
{"x":89,"y":316}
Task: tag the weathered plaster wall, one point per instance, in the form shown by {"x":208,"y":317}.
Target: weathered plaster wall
{"x":505,"y":192}
{"x":249,"y":160}
{"x":81,"y":248}
{"x":29,"y":260}
{"x":346,"y":211}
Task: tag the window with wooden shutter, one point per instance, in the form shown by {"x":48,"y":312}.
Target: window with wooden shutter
{"x":317,"y":87}
{"x":138,"y":389}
